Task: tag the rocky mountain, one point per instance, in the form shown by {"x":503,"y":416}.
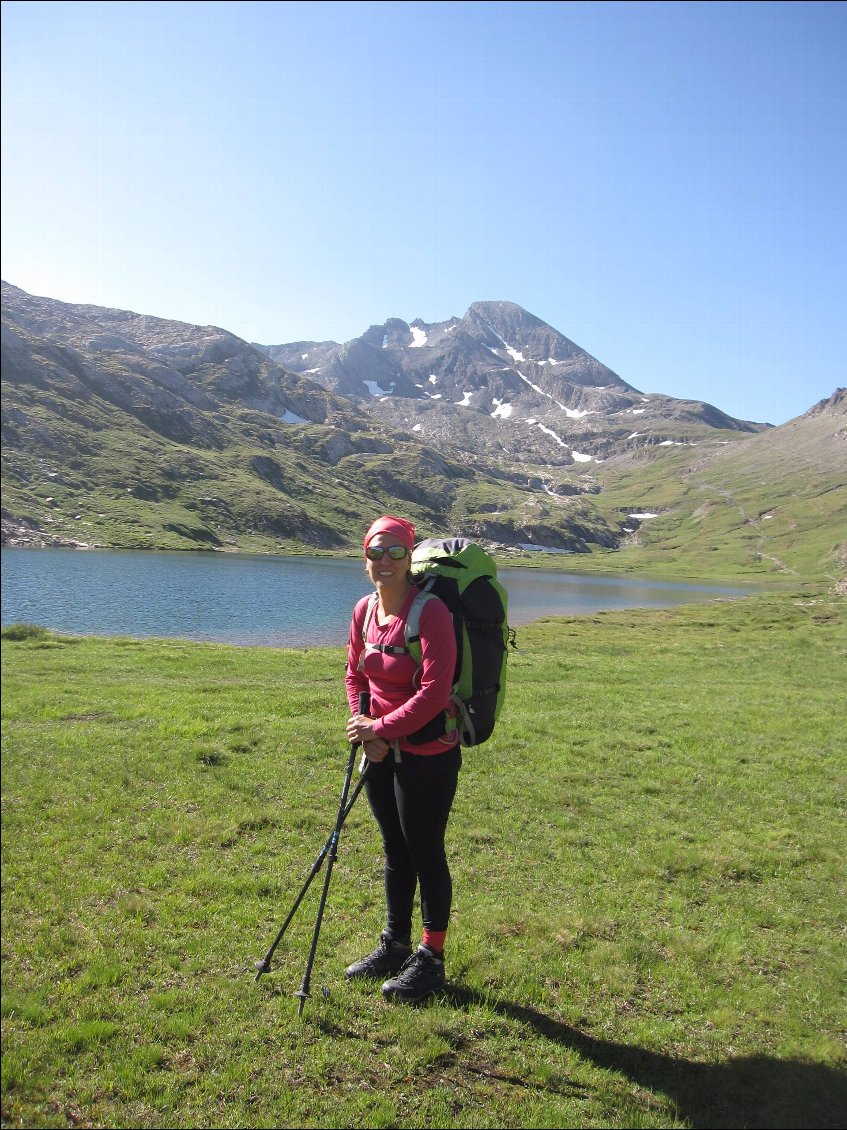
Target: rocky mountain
{"x":500,"y":377}
{"x":123,"y":429}
{"x":126,"y":430}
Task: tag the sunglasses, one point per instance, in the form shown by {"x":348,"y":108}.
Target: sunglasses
{"x":377,"y":552}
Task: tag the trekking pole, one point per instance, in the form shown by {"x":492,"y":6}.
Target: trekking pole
{"x":303,"y":991}
{"x":264,"y":965}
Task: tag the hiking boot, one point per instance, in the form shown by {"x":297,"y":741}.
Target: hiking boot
{"x":422,"y":975}
{"x":389,"y":957}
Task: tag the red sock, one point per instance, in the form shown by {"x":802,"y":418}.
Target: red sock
{"x":434,"y":939}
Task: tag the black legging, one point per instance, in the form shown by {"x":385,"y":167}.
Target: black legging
{"x":411,"y":800}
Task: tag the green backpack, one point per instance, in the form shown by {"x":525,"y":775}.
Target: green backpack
{"x":464,"y":576}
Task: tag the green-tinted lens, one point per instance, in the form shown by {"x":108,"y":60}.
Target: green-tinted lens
{"x":395,"y":552}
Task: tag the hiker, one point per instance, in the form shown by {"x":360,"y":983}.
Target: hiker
{"x":412,"y":776}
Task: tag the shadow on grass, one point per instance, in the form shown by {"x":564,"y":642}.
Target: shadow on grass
{"x":755,"y":1092}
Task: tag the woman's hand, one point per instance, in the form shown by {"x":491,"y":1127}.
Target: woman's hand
{"x":376,"y":750}
{"x":360,"y":729}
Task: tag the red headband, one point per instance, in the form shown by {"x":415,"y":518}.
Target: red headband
{"x":397,"y":527}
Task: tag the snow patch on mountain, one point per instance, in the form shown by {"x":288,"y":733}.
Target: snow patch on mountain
{"x":571,"y":413}
{"x":289,"y":417}
{"x":528,"y":545}
{"x":375,"y":390}
{"x":575,"y":455}
{"x":513,"y":353}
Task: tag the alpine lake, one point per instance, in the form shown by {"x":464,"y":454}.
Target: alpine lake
{"x":266,"y":600}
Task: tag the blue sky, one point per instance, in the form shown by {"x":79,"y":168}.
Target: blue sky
{"x":664,"y":183}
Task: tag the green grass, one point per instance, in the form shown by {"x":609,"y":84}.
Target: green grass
{"x":649,"y":878}
{"x":758,"y":506}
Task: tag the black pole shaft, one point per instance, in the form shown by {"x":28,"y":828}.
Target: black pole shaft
{"x":303,"y":991}
{"x":264,"y":965}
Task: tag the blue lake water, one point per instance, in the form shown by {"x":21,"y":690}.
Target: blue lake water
{"x":265,"y":600}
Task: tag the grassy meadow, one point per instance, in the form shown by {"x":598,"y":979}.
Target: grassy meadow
{"x":648,"y":860}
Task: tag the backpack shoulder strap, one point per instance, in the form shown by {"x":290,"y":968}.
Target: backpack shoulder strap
{"x":412,"y":646}
{"x":412,"y":629}
{"x":369,"y":611}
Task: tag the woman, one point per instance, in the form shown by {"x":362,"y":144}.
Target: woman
{"x":412,"y":776}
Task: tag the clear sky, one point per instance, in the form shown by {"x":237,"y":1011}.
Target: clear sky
{"x":664,"y":183}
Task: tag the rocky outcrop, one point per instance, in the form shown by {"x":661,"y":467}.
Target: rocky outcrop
{"x":499,"y":375}
{"x":121,"y":429}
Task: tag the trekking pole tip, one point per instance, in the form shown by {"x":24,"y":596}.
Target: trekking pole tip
{"x":263,"y":966}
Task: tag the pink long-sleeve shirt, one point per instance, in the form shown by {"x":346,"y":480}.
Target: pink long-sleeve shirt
{"x":403,"y":699}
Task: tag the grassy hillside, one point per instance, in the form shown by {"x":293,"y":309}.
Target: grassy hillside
{"x":772,"y":504}
{"x":121,"y":430}
{"x":139,"y":490}
{"x":81,"y":470}
{"x":648,"y":865}
{"x":127,"y":431}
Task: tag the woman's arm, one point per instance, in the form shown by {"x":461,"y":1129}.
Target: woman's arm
{"x":435,"y":677}
{"x":355,"y":680}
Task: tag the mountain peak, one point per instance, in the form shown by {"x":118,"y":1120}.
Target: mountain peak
{"x":119,"y":428}
{"x":500,"y":378}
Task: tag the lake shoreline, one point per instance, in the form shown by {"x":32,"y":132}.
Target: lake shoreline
{"x":277,"y":600}
{"x":599,"y":563}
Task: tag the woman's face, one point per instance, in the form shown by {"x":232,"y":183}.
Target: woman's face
{"x":386,"y":574}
